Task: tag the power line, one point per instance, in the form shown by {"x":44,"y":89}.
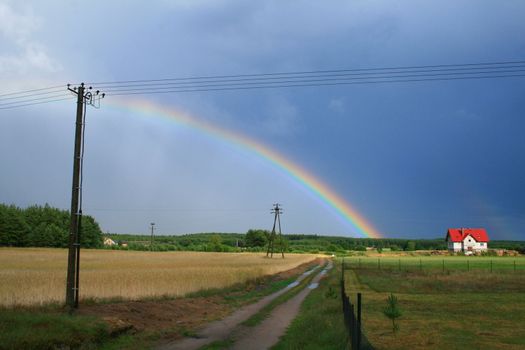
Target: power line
{"x":313,"y":72}
{"x":302,"y":80}
{"x":37,"y":103}
{"x":171,"y":210}
{"x":32,"y":99}
{"x":32,"y":90}
{"x":341,"y":75}
{"x":32,"y":94}
{"x":385,"y":75}
{"x":279,"y":75}
{"x":142,"y":92}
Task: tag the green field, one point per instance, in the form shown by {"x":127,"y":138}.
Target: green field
{"x":462,"y":306}
{"x":443,"y":263}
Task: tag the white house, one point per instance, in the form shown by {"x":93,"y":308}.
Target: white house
{"x":109,"y":242}
{"x":467,"y":240}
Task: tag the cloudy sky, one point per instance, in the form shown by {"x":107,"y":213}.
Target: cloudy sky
{"x":412,"y":158}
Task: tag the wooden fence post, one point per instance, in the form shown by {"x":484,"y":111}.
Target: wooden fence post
{"x":353,"y":327}
{"x":343,"y":270}
{"x":358,"y":320}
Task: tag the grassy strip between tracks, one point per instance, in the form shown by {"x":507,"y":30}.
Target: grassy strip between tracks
{"x":319,"y":324}
{"x":265,"y":311}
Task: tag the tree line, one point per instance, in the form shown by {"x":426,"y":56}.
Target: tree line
{"x":256,"y":240}
{"x":44,"y":226}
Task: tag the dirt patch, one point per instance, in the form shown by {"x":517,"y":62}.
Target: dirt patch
{"x":178,"y":317}
{"x":177,"y":314}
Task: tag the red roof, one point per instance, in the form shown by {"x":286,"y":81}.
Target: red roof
{"x":459,"y":234}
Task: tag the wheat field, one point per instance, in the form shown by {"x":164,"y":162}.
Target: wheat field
{"x":37,"y":276}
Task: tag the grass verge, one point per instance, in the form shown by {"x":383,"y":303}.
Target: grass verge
{"x":218,"y":345}
{"x":319,"y":324}
{"x":38,"y":330}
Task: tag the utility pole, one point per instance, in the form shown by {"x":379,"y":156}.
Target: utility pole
{"x":277,"y":211}
{"x":73,"y":262}
{"x":151,"y":241}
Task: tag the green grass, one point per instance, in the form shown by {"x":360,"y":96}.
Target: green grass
{"x":457,"y":309}
{"x":218,"y":345}
{"x":442,"y":263}
{"x":436,"y":282}
{"x":30,"y":329}
{"x":142,"y":341}
{"x":319,"y":324}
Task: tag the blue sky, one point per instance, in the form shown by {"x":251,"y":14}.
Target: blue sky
{"x":413,"y":158}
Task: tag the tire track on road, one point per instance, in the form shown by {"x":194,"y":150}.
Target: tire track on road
{"x":222,"y":329}
{"x":267,"y":333}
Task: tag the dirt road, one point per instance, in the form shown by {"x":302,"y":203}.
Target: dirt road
{"x":230,"y":328}
{"x":267,"y":334}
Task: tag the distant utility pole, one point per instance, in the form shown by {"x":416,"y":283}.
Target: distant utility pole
{"x":73,"y":262}
{"x":151,"y":241}
{"x":277,"y":210}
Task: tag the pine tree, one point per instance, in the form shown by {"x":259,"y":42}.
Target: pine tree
{"x":392,"y":311}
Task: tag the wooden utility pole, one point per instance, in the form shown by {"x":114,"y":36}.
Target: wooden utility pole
{"x":151,"y":240}
{"x":74,"y":234}
{"x":276,"y":221}
{"x":73,"y":259}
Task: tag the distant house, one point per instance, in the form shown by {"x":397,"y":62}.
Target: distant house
{"x":467,"y":240}
{"x":109,"y":242}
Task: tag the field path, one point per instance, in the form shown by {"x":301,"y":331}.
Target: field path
{"x":267,"y":333}
{"x":223,"y":329}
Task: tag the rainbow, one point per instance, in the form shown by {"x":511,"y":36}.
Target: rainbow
{"x":298,"y":174}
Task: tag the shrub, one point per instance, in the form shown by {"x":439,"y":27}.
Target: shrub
{"x":392,"y":311}
{"x":256,"y":238}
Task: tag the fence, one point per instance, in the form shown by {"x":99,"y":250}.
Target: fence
{"x":435,"y":264}
{"x":352,"y":317}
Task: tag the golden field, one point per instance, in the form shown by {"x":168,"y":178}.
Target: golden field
{"x":30,"y":276}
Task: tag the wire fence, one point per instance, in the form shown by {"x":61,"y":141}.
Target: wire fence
{"x":352,"y":317}
{"x":500,"y":265}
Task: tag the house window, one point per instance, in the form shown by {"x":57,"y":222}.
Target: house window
{"x":482,"y":244}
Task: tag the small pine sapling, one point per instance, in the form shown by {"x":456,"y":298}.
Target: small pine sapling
{"x":392,"y":311}
{"x":330,"y":293}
